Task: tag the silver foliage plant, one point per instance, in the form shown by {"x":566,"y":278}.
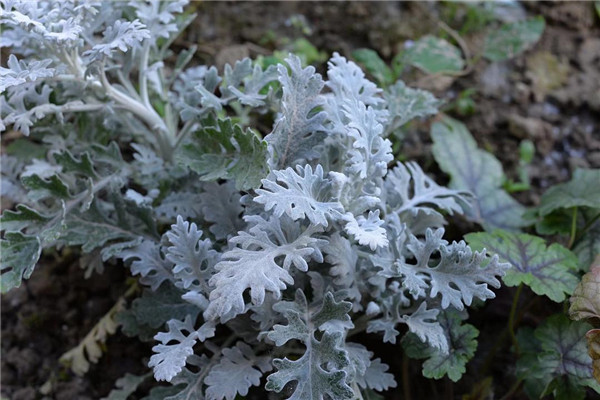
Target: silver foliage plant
{"x":278,"y":255}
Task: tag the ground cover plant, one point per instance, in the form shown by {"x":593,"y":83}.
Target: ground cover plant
{"x":266,"y":217}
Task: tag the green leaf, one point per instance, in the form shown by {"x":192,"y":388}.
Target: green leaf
{"x":226,"y":152}
{"x":434,"y":56}
{"x":155,"y":308}
{"x":43,"y":188}
{"x":555,"y":360}
{"x":583,"y":190}
{"x":477,"y":171}
{"x":549,"y":271}
{"x":585,"y":301}
{"x":374,"y":65}
{"x":25,"y":149}
{"x":19,"y":255}
{"x":558,"y":221}
{"x":69,"y":163}
{"x":23,"y":217}
{"x":513,"y":38}
{"x":463,"y":343}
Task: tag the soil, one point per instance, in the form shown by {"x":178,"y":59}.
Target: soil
{"x":558,"y":110}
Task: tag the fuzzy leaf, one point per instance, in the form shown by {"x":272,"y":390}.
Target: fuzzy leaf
{"x":424,"y":324}
{"x":478,"y":172}
{"x":320,"y":370}
{"x":82,"y":165}
{"x":434,"y":56}
{"x":236,"y":372}
{"x":149,"y":263}
{"x":558,"y":361}
{"x":21,"y":71}
{"x":154,"y":308}
{"x":23,"y":217}
{"x":189,"y":384}
{"x":299,"y":128}
{"x":376,"y":377}
{"x":183,"y":203}
{"x":194,"y":259}
{"x":43,"y":188}
{"x":462,"y":341}
{"x":408,"y":189}
{"x":260,"y":262}
{"x":549,"y":271}
{"x":513,"y":38}
{"x":405,"y":104}
{"x":457,"y":276}
{"x":301,"y":194}
{"x":367,"y":231}
{"x":585,"y":301}
{"x":221,"y":207}
{"x":169,"y":359}
{"x":370,"y":152}
{"x":122,"y":36}
{"x":20,"y":254}
{"x":226,"y":152}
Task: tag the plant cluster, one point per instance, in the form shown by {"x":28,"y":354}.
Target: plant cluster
{"x":264,"y":212}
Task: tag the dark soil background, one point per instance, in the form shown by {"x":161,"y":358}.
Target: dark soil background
{"x":558,"y":108}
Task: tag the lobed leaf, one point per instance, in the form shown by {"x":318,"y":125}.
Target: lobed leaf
{"x":261,"y":262}
{"x":458,"y":276}
{"x":549,"y":271}
{"x":224,"y":151}
{"x":462,"y":341}
{"x":20,"y":254}
{"x":558,"y":361}
{"x":300,"y":126}
{"x":236,"y":372}
{"x":301,"y":194}
{"x":319,"y":372}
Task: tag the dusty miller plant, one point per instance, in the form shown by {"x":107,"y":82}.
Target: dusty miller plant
{"x":262,"y":257}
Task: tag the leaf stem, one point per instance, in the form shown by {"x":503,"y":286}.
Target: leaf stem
{"x":511,"y":320}
{"x":573,"y":228}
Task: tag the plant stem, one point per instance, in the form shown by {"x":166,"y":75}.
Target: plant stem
{"x":143,"y":77}
{"x":511,"y":320}
{"x":573,"y":228}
